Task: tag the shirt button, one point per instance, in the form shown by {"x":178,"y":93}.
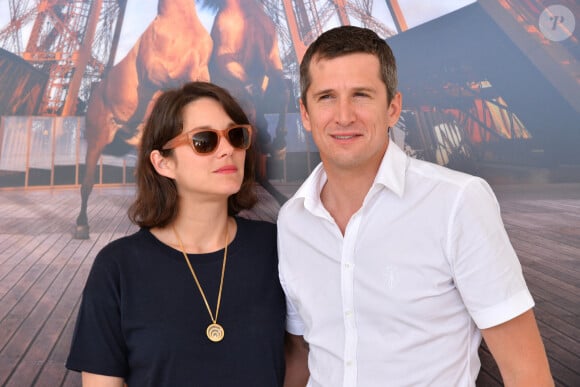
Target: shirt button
{"x":347,"y":265}
{"x":348,"y":313}
{"x":349,"y":363}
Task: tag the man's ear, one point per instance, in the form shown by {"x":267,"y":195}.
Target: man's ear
{"x":395,"y":108}
{"x":305,"y":117}
{"x":162,"y":164}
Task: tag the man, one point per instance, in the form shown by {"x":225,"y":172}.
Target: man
{"x":393,"y":267}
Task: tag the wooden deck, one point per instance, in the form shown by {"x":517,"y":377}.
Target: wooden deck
{"x":43,"y":270}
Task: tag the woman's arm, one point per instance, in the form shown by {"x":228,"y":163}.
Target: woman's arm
{"x":94,"y":380}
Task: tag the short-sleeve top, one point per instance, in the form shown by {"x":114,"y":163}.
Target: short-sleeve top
{"x":142,"y":316}
{"x":399,"y":298}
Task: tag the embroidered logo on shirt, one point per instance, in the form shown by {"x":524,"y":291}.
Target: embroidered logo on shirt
{"x":390,"y":276}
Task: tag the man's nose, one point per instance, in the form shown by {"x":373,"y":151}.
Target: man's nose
{"x":346,"y":113}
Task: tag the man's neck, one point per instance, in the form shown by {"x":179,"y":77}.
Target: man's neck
{"x":344,"y":193}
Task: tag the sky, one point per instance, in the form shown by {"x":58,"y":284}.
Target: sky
{"x":139,"y":14}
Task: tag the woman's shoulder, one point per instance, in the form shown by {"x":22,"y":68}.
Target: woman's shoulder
{"x":125,"y":246}
{"x":256,"y":240}
{"x":139,"y":236}
{"x":256,"y":230}
{"x":255,"y":225}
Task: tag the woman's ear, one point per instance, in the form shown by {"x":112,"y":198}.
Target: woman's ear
{"x":162,"y":164}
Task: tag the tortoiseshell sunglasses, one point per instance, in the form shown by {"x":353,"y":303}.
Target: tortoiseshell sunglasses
{"x":205,"y":141}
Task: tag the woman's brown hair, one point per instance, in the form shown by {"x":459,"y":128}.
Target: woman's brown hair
{"x":156,"y":202}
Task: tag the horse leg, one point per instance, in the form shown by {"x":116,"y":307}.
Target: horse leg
{"x":97,"y":131}
{"x":93,"y":154}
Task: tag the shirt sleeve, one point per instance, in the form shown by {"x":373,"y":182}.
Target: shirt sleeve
{"x":486,"y":268}
{"x":98,"y":344}
{"x":294,"y":324}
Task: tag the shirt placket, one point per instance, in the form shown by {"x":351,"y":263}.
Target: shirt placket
{"x":348,"y":306}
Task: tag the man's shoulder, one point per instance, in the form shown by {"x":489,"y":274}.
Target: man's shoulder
{"x":443,"y":183}
{"x":430,"y":171}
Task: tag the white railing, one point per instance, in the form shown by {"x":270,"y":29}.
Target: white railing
{"x":50,"y":151}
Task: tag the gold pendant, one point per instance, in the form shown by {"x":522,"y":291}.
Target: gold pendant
{"x":215,"y":332}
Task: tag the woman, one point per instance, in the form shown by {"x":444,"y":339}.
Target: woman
{"x":193,"y":297}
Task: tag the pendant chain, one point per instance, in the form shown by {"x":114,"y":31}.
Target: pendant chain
{"x":214,"y":331}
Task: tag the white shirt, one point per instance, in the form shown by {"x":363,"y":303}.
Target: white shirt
{"x":397,"y":300}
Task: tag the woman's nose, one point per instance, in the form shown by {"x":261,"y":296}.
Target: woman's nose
{"x":224,"y":147}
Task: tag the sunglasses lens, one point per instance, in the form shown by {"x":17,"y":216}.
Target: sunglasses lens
{"x":205,"y":142}
{"x":239,"y":137}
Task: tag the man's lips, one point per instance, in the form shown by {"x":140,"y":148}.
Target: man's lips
{"x":344,"y":136}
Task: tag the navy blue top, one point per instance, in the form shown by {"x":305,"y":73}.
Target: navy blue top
{"x":142,"y":316}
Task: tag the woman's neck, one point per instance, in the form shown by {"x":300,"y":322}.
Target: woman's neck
{"x":201,"y":229}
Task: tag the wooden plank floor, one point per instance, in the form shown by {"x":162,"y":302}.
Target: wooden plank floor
{"x":43,"y":269}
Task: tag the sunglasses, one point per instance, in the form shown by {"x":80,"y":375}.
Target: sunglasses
{"x":205,"y":141}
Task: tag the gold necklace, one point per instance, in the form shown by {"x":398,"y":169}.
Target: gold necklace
{"x":214,"y":331}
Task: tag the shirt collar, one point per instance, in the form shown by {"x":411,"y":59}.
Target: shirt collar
{"x":311,"y":189}
{"x":391,"y":175}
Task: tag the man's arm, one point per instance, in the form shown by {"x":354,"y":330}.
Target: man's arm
{"x":517,"y":347}
{"x":296,"y":350}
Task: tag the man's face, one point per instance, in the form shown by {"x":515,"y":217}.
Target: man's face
{"x":348,"y":113}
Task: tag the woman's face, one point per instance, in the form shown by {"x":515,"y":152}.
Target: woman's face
{"x":215,"y":175}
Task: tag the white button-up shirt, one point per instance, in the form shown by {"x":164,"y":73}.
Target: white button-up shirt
{"x":398,"y":299}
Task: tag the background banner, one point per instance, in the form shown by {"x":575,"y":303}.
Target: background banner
{"x":489,"y":87}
